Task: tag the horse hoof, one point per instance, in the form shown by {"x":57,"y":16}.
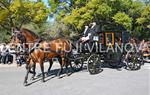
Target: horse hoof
{"x":58,"y":77}
{"x":43,"y":81}
{"x":25,"y":84}
{"x":68,"y":74}
{"x":47,"y":74}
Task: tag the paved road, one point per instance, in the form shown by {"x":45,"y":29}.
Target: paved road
{"x":109,"y":82}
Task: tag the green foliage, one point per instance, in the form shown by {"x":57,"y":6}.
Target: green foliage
{"x":29,"y":11}
{"x":50,"y":31}
{"x":4,"y":35}
{"x":110,"y":14}
{"x":3,"y":15}
{"x":133,"y":15}
{"x":20,"y":12}
{"x":145,"y":17}
{"x":123,"y":19}
{"x":135,"y":9}
{"x":58,"y":29}
{"x":104,"y":10}
{"x":54,"y":4}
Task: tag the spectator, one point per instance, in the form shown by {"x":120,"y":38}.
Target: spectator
{"x":20,"y":60}
{"x":4,"y":54}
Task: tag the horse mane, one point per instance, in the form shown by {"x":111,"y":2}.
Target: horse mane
{"x":31,"y":32}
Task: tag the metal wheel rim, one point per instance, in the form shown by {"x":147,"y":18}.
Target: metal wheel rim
{"x":94,"y":64}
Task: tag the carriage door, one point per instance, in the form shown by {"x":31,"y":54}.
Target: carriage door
{"x":109,"y":39}
{"x":125,"y":37}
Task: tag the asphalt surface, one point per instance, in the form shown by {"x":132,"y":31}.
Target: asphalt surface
{"x":108,"y":82}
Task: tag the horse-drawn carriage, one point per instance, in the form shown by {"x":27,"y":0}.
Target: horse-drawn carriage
{"x":111,"y":47}
{"x":100,"y":49}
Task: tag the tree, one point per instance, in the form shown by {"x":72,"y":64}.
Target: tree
{"x":15,"y":13}
{"x":144,"y":23}
{"x":109,"y":14}
{"x":102,"y":11}
{"x":145,"y":17}
{"x":123,"y":19}
{"x":132,"y":15}
{"x":19,"y":12}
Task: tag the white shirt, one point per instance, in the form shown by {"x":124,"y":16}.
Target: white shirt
{"x":93,"y":25}
{"x":86,"y":28}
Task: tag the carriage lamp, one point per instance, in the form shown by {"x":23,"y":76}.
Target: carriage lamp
{"x":95,"y":38}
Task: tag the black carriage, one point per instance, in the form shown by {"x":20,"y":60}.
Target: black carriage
{"x":105,"y":47}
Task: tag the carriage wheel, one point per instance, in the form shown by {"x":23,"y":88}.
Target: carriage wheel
{"x":134,"y":62}
{"x":94,"y":64}
{"x":141,"y":58}
{"x":77,"y":64}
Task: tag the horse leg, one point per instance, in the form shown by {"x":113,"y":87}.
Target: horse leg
{"x":66,"y":65}
{"x":42,"y":70}
{"x":32,"y":66}
{"x":26,"y":77}
{"x":61,"y":66}
{"x":33,"y":72}
{"x":60,"y":71}
{"x":50,"y":66}
{"x":67,"y":70}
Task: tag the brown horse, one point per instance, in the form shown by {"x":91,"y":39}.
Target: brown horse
{"x":23,"y":36}
{"x":56,"y":48}
{"x":37,"y":54}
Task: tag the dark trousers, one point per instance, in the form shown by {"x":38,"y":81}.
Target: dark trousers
{"x":3,"y":59}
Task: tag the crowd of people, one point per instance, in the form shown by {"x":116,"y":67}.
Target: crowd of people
{"x":146,"y":50}
{"x":6,"y":56}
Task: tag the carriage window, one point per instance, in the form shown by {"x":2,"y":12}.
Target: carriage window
{"x":109,"y":38}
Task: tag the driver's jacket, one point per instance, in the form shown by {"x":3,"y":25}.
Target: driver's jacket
{"x":91,"y":31}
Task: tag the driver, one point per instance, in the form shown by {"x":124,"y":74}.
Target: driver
{"x":89,"y":31}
